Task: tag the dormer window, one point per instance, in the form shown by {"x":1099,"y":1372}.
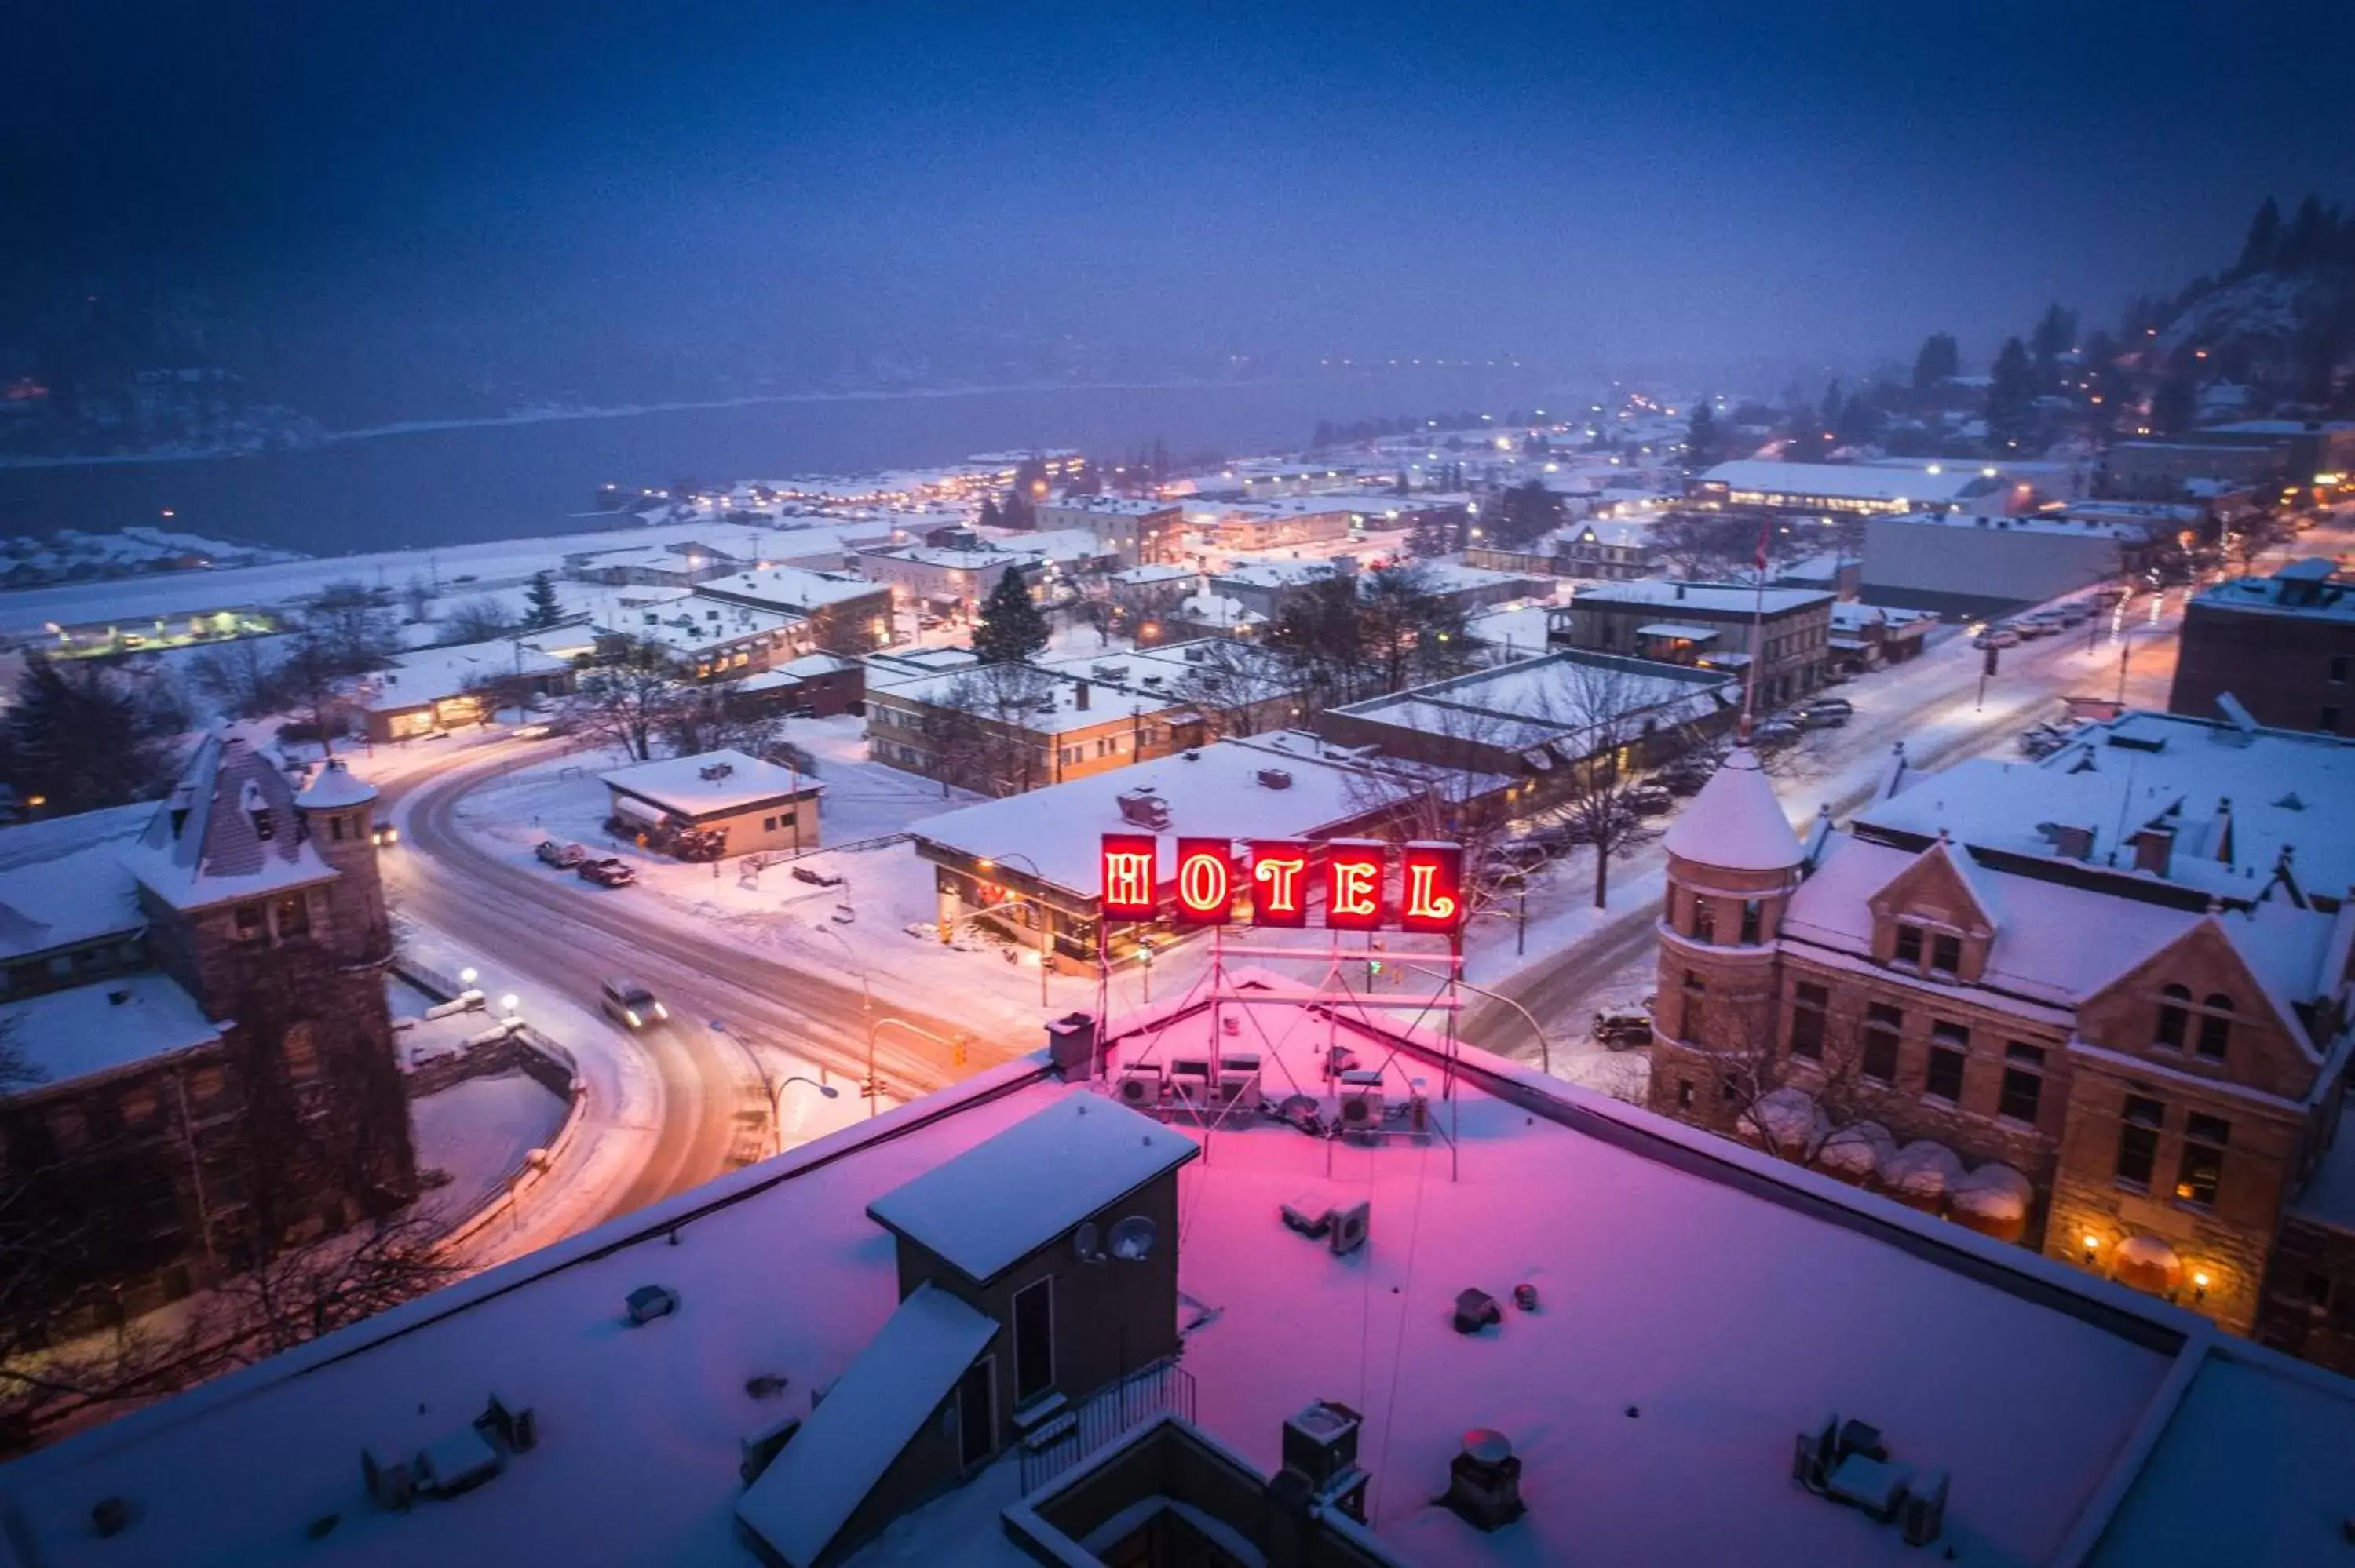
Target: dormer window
{"x":1945,"y":953}
{"x":265,"y":827}
{"x":2174,"y":1017}
{"x":1909,"y":944}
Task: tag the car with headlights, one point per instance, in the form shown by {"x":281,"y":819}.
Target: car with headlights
{"x":631,"y":1005}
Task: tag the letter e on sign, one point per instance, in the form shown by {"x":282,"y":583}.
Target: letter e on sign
{"x":1128,"y":874}
{"x":1206,"y":882}
{"x":1279,"y":882}
{"x":1353,"y":885}
{"x":1430,"y":889}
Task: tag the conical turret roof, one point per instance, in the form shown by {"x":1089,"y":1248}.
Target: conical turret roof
{"x":1736,"y":822}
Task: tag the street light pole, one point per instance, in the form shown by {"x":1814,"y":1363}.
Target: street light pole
{"x":866,"y":1008}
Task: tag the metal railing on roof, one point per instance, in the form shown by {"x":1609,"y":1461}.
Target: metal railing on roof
{"x":1093,"y":1425}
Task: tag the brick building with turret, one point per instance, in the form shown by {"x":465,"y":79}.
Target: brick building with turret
{"x":195,"y":992}
{"x":2097,"y":1006}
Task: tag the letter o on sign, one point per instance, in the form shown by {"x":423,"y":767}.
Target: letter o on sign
{"x":1206,"y":882}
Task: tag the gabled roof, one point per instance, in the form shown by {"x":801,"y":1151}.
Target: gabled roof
{"x":1955,"y":862}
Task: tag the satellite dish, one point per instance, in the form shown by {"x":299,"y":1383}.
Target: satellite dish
{"x":1087,"y":1242}
{"x":1133,"y":1239}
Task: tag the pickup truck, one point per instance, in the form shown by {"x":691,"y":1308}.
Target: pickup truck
{"x":607,"y":873}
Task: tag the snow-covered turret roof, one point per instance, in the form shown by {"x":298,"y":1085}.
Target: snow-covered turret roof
{"x":1736,"y":822}
{"x":334,"y":787}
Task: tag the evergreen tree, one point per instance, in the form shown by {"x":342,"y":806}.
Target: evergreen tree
{"x":1939,"y":359}
{"x":2172,"y":407}
{"x":541,"y":608}
{"x":2055,"y":334}
{"x":1701,"y":436}
{"x":76,"y":736}
{"x":990,"y":515}
{"x":1517,"y":517}
{"x":2010,"y":400}
{"x":1017,"y":512}
{"x":1011,"y":628}
{"x":2309,"y":242}
{"x":2262,"y":248}
{"x":1858,"y":423}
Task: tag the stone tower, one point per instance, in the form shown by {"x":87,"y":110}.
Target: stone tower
{"x":338,"y":815}
{"x":1733,"y":861}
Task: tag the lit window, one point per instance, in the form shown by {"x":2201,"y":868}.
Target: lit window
{"x":2204,"y":1138}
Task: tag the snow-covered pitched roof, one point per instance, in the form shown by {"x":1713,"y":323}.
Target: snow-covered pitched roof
{"x":228,"y":831}
{"x":792,"y":588}
{"x":1735,"y":821}
{"x":808,"y":1493}
{"x":1031,"y":1186}
{"x":737,"y":782}
{"x":335,"y":787}
{"x":62,"y":882}
{"x":431,"y":675}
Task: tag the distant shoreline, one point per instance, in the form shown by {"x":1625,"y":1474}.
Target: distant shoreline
{"x":625,"y":411}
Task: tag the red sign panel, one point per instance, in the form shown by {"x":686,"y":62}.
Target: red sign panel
{"x":1128,"y":875}
{"x":1206,"y":882}
{"x":1353,"y":885}
{"x":1430,"y":889}
{"x":1279,"y":882}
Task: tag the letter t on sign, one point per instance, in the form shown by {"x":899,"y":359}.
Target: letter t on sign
{"x":1128,"y":877}
{"x":1279,"y":882}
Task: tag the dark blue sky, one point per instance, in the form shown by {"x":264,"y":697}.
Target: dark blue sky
{"x":1608,"y":187}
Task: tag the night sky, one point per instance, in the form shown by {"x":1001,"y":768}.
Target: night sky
{"x":1618,"y":186}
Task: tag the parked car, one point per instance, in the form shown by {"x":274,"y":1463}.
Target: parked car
{"x":1775,"y":732}
{"x":1840,"y":705}
{"x":1997,"y":637}
{"x":631,"y":1005}
{"x":1686,"y":774}
{"x":558,"y":853}
{"x":607,"y":873}
{"x":1647,"y":799}
{"x":1619,"y":1026}
{"x":1513,"y":857}
{"x":2033,"y":626}
{"x":1822,"y":718}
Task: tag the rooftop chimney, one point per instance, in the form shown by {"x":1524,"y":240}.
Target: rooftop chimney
{"x":2153,"y":847}
{"x":1080,"y":695}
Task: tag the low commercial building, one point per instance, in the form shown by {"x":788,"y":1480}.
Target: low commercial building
{"x":844,"y":613}
{"x":815,"y":686}
{"x":943,"y":579}
{"x":437,"y":689}
{"x":2283,"y":646}
{"x":1970,"y":565}
{"x":705,"y":639}
{"x":1536,"y":722}
{"x":1140,"y":530}
{"x":1613,"y":551}
{"x":2165,"y":470}
{"x":682,"y":563}
{"x":1282,"y":521}
{"x":1707,"y":624}
{"x":1868,"y":637}
{"x":749,"y":805}
{"x":1855,"y":488}
{"x":1265,"y":587}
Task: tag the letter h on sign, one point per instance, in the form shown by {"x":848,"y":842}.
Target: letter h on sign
{"x":1128,"y":875}
{"x":1206,"y":882}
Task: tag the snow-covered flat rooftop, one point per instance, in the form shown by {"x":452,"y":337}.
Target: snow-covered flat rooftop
{"x":1849,"y":481}
{"x":431,"y":675}
{"x":105,"y":1025}
{"x":790,"y":587}
{"x":710,"y":783}
{"x":1723,"y":599}
{"x":63,"y":882}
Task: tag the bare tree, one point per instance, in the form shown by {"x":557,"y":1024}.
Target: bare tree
{"x":1239,"y":687}
{"x":245,"y":678}
{"x":478,"y":619}
{"x":1608,"y":715}
{"x":981,"y":729}
{"x":710,"y":718}
{"x":629,"y":701}
{"x":303,"y":1292}
{"x":353,"y":627}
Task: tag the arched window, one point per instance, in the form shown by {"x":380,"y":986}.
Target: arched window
{"x":2174,"y":1016}
{"x":2215,"y":1026}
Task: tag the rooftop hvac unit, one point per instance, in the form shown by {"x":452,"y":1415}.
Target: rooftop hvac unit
{"x":1144,"y":808}
{"x":1921,"y":1516}
{"x":648,"y":1302}
{"x":1308,"y":1214}
{"x":1275,"y":777}
{"x":715,"y":770}
{"x":1349,"y":1227}
{"x":1239,"y":1090}
{"x":1140,"y":1088}
{"x":1483,"y":1480}
{"x":389,"y":1486}
{"x":1321,"y":1442}
{"x":1361,"y":1101}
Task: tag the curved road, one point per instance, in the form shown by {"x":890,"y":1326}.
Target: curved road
{"x":568,"y":937}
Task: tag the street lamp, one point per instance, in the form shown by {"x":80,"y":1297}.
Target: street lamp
{"x":510,"y":1004}
{"x":467,"y":978}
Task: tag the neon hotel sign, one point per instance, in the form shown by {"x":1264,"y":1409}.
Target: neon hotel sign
{"x":1284,"y":878}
